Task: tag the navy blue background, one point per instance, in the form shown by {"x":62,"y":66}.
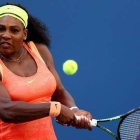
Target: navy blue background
{"x":103,"y":37}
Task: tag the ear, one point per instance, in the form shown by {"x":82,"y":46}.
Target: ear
{"x":25,"y":32}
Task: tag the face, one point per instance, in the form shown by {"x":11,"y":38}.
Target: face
{"x":12,"y":34}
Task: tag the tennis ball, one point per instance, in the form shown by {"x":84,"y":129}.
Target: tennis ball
{"x":70,"y":67}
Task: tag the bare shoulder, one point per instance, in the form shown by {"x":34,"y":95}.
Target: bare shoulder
{"x":42,"y":48}
{"x":45,"y":53}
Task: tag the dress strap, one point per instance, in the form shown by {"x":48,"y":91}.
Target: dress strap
{"x":35,"y":50}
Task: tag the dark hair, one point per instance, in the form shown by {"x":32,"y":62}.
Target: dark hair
{"x":37,"y":31}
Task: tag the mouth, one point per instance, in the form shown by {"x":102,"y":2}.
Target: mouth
{"x":5,"y":44}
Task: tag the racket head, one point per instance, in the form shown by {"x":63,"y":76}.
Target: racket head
{"x":129,"y":126}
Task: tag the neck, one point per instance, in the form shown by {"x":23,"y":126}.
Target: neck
{"x":15,"y":57}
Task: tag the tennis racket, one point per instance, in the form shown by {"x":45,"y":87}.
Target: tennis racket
{"x":128,"y":128}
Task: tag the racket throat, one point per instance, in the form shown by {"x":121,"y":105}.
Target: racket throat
{"x":108,"y":131}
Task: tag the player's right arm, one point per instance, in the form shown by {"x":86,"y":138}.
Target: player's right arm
{"x":18,"y":111}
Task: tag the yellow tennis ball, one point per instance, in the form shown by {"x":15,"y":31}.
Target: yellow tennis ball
{"x":70,"y":67}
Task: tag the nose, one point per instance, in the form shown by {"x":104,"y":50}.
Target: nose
{"x":6,"y":35}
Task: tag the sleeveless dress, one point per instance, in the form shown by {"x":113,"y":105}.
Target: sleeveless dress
{"x":34,"y":89}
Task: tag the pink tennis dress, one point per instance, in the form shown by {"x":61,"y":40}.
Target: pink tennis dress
{"x":34,"y":89}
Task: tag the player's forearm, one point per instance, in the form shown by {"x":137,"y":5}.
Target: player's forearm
{"x":64,"y":98}
{"x":16,"y":111}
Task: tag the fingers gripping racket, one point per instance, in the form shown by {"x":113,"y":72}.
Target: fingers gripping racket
{"x":128,"y":128}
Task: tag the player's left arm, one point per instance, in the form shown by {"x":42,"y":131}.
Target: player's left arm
{"x":61,"y":94}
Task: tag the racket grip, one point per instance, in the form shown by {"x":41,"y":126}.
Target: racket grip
{"x":93,"y":122}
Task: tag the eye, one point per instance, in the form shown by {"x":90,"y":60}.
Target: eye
{"x":1,"y":29}
{"x":14,"y":30}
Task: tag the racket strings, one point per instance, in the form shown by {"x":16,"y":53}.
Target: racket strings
{"x":130,"y":127}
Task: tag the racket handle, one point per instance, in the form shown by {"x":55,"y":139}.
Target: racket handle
{"x":93,"y":121}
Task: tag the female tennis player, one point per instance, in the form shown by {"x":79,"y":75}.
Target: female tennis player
{"x":30,"y":88}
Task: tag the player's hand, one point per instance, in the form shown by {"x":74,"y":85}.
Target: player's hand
{"x":83,"y":119}
{"x":66,"y":117}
